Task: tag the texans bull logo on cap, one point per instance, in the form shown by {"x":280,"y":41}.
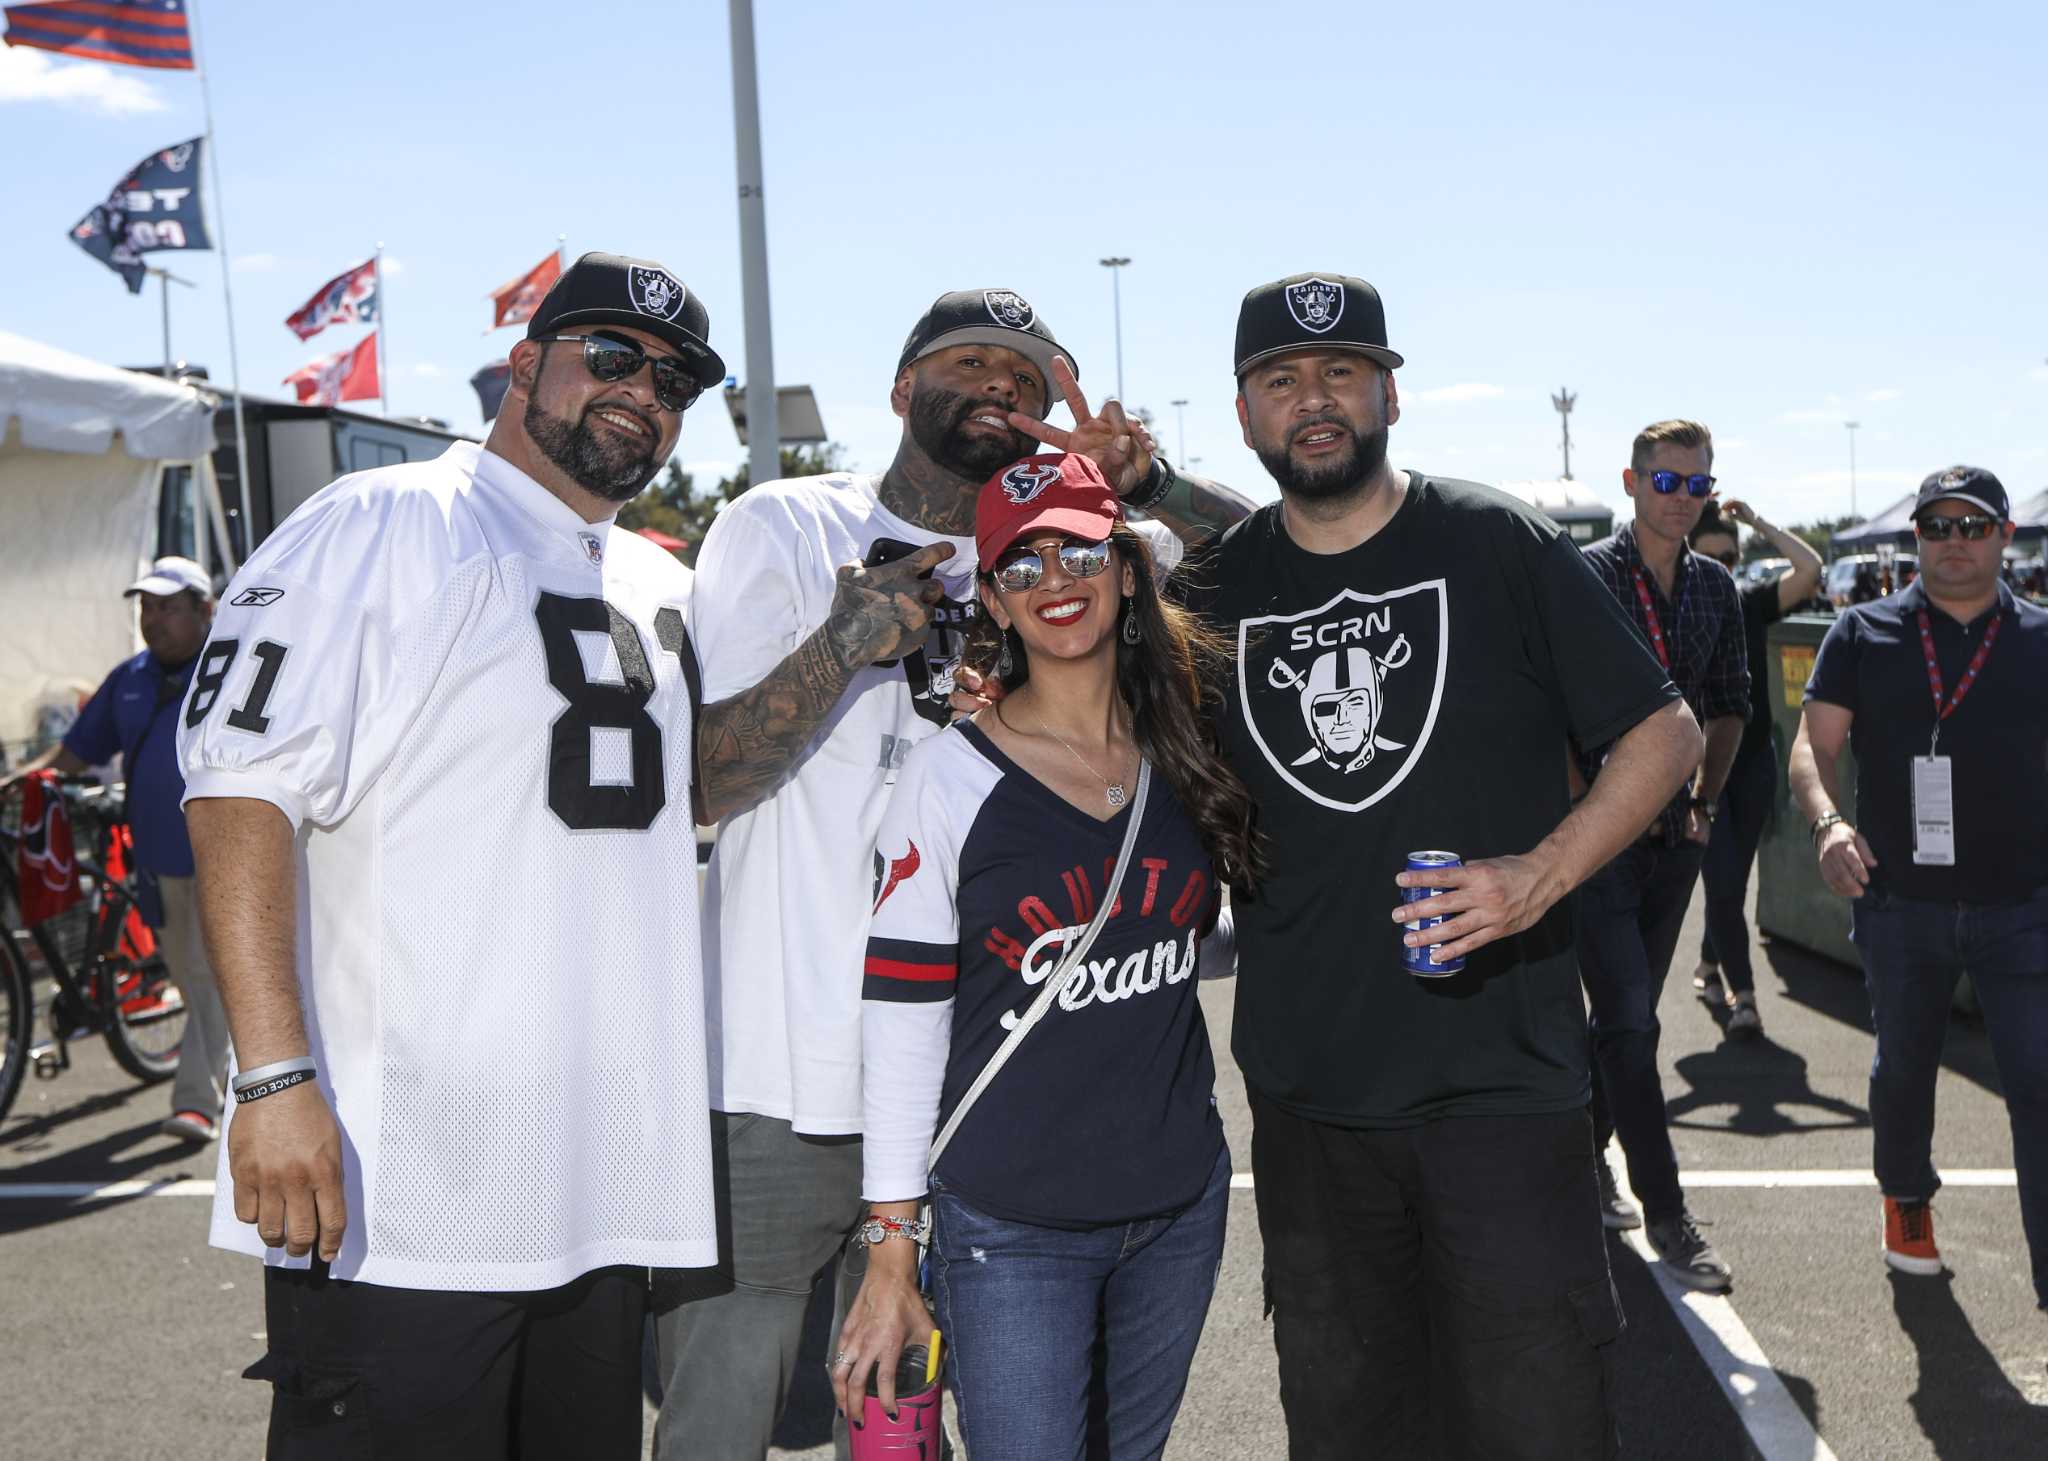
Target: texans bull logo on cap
{"x":1024,"y":481}
{"x":654,"y":292}
{"x":1008,"y":308}
{"x":1342,"y":698}
{"x":1316,"y":304}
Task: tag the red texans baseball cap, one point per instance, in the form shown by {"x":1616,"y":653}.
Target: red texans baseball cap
{"x":1061,"y":492}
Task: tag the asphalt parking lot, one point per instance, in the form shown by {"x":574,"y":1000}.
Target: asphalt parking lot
{"x":124,"y":1335}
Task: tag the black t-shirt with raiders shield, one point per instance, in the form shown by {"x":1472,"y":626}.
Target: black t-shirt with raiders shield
{"x":1416,"y":692}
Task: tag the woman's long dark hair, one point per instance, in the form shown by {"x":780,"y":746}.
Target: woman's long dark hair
{"x":1169,"y":681}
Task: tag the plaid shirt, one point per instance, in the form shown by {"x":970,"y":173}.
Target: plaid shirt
{"x":1703,"y":635}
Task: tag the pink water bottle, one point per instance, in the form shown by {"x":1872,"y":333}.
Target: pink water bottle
{"x":914,"y":1432}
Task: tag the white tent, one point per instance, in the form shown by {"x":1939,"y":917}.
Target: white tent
{"x":83,"y":448}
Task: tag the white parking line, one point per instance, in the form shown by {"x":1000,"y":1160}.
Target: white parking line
{"x":45,"y":1191}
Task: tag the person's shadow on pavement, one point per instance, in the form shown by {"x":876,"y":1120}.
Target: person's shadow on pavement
{"x":1964,"y":1402}
{"x":1759,"y":1078}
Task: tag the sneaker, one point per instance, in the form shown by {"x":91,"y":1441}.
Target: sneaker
{"x":1744,"y":1023}
{"x":1909,"y":1238}
{"x":1616,"y":1211}
{"x":195,"y":1127}
{"x":1706,"y":982}
{"x":1690,"y":1257}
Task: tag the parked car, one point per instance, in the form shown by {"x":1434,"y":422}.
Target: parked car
{"x":1840,"y":583}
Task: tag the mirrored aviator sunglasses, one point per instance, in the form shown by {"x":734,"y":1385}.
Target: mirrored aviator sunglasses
{"x":611,"y":361}
{"x":1023,"y":569}
{"x":1666,"y":483}
{"x":1974,"y":526}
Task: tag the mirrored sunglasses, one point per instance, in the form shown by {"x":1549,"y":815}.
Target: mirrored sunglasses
{"x":1022,"y":569}
{"x":1972,"y":525}
{"x":1666,"y":483}
{"x":611,"y":361}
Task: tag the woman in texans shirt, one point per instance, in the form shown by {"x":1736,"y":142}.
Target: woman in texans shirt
{"x":1078,"y":1212}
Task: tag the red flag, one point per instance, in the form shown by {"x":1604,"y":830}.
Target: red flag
{"x":125,"y":32}
{"x":349,"y":298}
{"x":514,"y":303}
{"x":346,"y":375}
{"x":138,"y":941}
{"x":47,"y":869}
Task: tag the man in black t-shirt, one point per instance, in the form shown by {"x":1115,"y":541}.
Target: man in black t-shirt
{"x":1753,"y":779}
{"x":1412,"y":655}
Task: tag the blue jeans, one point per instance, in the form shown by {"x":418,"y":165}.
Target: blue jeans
{"x":1912,"y":953}
{"x":1630,"y":913}
{"x":1738,"y":827}
{"x":1066,"y":1343}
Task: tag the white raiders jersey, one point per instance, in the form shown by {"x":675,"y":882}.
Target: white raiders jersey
{"x":793,"y":878}
{"x":473,"y":706}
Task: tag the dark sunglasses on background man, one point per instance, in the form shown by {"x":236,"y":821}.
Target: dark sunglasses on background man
{"x":1666,"y":483}
{"x":1023,"y":569}
{"x":1973,"y":526}
{"x":611,"y":361}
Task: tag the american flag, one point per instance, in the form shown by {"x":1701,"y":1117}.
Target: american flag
{"x":350,"y":297}
{"x":125,"y":32}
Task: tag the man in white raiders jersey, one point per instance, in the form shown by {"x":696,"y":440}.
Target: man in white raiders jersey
{"x":790,"y":884}
{"x":1412,"y":653}
{"x":438,"y":780}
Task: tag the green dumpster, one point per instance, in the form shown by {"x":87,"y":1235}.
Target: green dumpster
{"x":1792,"y":903}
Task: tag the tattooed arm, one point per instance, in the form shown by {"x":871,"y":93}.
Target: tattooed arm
{"x":746,"y":744}
{"x":1196,"y":508}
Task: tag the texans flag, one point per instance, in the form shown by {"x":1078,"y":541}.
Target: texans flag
{"x":514,"y":303}
{"x":346,"y":375}
{"x":48,"y":871}
{"x":157,"y":206}
{"x":125,"y":32}
{"x":349,"y":298}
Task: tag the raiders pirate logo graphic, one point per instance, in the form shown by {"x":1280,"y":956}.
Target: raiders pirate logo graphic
{"x":1316,"y":304}
{"x":1007,"y":307}
{"x":1342,"y":698}
{"x":1023,"y":482}
{"x":655,"y":292}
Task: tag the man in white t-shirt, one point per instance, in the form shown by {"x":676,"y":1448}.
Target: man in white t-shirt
{"x":793,"y":875}
{"x":438,"y":763}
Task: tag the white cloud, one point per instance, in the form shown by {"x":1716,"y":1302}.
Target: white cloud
{"x":256,"y":264}
{"x":1888,"y":393}
{"x":428,"y":369}
{"x":1470,"y":390}
{"x":30,"y":75}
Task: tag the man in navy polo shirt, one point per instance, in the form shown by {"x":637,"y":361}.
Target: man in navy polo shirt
{"x":134,"y":714}
{"x":1942,"y":690}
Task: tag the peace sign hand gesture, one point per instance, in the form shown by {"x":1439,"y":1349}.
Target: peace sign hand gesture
{"x":1118,"y":444}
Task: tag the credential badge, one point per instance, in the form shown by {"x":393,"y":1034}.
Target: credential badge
{"x":655,"y":292}
{"x":1316,"y":305}
{"x":1007,"y":307}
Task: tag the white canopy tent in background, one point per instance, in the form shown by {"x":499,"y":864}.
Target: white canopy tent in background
{"x":83,"y":448}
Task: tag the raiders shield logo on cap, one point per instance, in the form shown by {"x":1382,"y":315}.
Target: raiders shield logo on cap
{"x":654,"y":292}
{"x":1342,"y":698}
{"x":1007,"y":307}
{"x":1316,"y":304}
{"x":1024,"y":481}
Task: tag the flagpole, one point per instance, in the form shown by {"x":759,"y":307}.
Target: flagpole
{"x":383,"y":368}
{"x":227,"y":290}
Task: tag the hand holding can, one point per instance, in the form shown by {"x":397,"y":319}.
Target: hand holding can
{"x":1421,"y":960}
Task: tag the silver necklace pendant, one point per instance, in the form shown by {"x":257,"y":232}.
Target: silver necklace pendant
{"x":1116,"y":794}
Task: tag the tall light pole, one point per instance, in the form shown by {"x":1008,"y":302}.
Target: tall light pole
{"x":1852,"y":425}
{"x":1116,"y":294}
{"x":1564,"y":400}
{"x":764,"y":434}
{"x":1180,"y":411}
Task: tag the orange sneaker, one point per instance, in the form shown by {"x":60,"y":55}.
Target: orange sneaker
{"x":1909,"y":1238}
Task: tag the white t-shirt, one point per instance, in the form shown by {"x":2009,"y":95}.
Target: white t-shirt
{"x":471,"y":704}
{"x":792,"y":879}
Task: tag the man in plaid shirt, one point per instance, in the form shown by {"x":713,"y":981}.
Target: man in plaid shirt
{"x":1630,"y":911}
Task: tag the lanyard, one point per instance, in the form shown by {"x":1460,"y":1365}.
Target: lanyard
{"x":1656,"y":624}
{"x":1943,"y":712}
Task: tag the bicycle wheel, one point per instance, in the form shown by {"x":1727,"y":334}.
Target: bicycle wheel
{"x":17,"y":1018}
{"x":144,"y":1007}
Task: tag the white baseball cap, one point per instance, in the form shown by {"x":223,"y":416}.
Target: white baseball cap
{"x":169,"y":576}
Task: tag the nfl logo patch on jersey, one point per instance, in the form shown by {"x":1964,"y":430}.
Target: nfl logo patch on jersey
{"x":593,"y":548}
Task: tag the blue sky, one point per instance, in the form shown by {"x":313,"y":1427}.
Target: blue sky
{"x":1772,"y":218}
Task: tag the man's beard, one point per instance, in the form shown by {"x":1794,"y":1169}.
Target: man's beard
{"x":938,"y":424}
{"x":605,"y":465}
{"x":1328,"y":478}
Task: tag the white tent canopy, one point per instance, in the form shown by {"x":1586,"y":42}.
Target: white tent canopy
{"x":82,"y":452}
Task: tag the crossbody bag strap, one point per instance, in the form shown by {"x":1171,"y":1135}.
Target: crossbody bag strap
{"x":1057,"y":979}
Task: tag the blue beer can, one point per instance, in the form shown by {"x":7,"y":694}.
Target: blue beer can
{"x":1417,"y":958}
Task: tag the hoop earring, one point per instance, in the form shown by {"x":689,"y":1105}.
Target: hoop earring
{"x":1133,"y":631}
{"x":1004,"y":663}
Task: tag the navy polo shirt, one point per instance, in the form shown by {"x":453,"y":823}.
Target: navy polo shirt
{"x":134,"y":714}
{"x":1871,"y":664}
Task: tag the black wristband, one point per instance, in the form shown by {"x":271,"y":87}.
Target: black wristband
{"x":272,"y":1086}
{"x":1153,"y":489}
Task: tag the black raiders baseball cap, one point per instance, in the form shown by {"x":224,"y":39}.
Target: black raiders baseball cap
{"x":1312,"y":312}
{"x":605,"y":289}
{"x":1973,"y":485}
{"x":986,"y":317}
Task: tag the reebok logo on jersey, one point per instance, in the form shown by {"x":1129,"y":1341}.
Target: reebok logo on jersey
{"x":256,"y":598}
{"x":1024,"y":481}
{"x":901,"y":870}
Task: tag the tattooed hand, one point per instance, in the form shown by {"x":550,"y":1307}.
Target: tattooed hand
{"x":1118,"y":444}
{"x":885,"y":612}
